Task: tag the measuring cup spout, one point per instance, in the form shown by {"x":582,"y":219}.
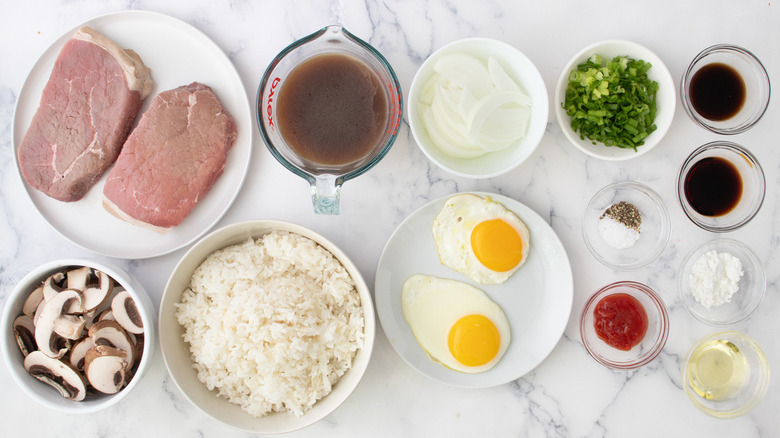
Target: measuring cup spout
{"x":326,"y":193}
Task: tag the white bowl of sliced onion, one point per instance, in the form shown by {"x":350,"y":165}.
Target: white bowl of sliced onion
{"x":478,"y":107}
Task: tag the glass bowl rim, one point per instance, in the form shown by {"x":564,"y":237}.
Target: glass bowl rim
{"x":754,"y":260}
{"x":754,"y":401}
{"x":731,"y":147}
{"x":659,"y":308}
{"x":662,"y":241}
{"x":688,"y":73}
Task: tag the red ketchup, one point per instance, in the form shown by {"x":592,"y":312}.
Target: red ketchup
{"x":620,"y":320}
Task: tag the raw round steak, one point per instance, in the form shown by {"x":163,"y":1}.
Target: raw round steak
{"x":171,"y":159}
{"x":87,"y":109}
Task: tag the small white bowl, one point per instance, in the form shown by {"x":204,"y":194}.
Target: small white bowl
{"x":665,"y":99}
{"x":522,"y":70}
{"x":43,"y":393}
{"x":176,"y":352}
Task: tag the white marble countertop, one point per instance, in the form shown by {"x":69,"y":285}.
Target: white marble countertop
{"x":569,"y":394}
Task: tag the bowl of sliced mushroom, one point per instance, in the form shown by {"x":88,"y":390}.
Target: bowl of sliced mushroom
{"x":78,"y":335}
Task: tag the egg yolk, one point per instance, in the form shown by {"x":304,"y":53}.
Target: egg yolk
{"x":497,"y":245}
{"x":474,"y":340}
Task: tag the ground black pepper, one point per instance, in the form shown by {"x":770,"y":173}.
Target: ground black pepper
{"x":626,"y":213}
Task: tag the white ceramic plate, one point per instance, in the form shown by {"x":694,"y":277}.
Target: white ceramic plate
{"x":177,"y":54}
{"x":537,"y":299}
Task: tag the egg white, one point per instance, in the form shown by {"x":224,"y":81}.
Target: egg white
{"x":432,"y":305}
{"x":452,"y":229}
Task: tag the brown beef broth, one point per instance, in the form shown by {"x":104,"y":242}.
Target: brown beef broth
{"x":332,"y":109}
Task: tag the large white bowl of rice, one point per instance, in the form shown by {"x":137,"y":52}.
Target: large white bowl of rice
{"x":266,"y":326}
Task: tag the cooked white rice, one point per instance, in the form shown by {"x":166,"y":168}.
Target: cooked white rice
{"x":272,"y":323}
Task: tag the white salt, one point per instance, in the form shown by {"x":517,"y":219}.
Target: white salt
{"x":616,"y":234}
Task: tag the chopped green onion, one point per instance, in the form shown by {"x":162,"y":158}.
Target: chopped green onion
{"x":612,"y":103}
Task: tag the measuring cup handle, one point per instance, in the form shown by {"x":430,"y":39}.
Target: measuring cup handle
{"x":325,"y":194}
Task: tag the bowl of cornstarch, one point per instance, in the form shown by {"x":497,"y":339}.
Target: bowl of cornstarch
{"x":626,"y":225}
{"x":722,"y":282}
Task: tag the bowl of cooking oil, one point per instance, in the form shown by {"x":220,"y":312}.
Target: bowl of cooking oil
{"x":726,"y":374}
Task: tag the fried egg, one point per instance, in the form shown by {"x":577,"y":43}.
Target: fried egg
{"x":480,"y":238}
{"x":457,"y":324}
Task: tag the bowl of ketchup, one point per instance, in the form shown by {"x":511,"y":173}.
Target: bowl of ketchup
{"x":624,"y":325}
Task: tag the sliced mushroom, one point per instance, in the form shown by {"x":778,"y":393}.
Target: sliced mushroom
{"x":49,"y":341}
{"x":78,"y":352}
{"x":53,"y":285}
{"x":56,"y":373}
{"x":38,"y":312}
{"x":24,"y":331}
{"x":32,"y":302}
{"x":95,"y":287}
{"x":106,"y":368}
{"x":90,"y":318}
{"x":129,"y":374}
{"x":79,"y":278}
{"x":69,"y":326}
{"x":108,"y":314}
{"x":97,"y":293}
{"x":110,"y":333}
{"x":126,"y":313}
{"x":139,"y":347}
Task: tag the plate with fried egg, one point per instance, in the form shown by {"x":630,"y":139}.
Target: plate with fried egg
{"x":474,"y":290}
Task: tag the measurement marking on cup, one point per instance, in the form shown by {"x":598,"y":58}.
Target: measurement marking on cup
{"x":396,"y":111}
{"x":268,"y":108}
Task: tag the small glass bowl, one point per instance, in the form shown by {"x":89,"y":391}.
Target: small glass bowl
{"x":650,"y":346}
{"x":752,"y":285}
{"x":753,"y":186}
{"x":654,"y":231}
{"x":757,"y":88}
{"x":727,"y":396}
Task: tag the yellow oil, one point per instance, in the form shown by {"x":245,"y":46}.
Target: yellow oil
{"x":717,"y":370}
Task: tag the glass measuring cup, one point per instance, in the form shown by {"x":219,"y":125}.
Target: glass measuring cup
{"x":326,"y":179}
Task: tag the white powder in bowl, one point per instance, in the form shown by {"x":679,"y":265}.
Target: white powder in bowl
{"x":715,"y":278}
{"x":616,"y":234}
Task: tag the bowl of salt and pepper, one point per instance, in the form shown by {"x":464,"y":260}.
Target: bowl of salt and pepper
{"x":626,"y":225}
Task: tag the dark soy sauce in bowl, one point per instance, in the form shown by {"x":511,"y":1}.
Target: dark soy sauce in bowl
{"x":717,"y":91}
{"x":713,"y":186}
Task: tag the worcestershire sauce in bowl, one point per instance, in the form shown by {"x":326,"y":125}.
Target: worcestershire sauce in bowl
{"x":717,"y":92}
{"x":713,"y":186}
{"x":332,"y":109}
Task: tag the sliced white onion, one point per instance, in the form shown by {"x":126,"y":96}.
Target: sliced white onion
{"x":500,"y":78}
{"x":466,"y":72}
{"x":470,"y":109}
{"x":488,"y":108}
{"x":467,"y":103}
{"x":510,"y":123}
{"x":426,"y":92}
{"x":458,"y":150}
{"x":446,"y":113}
